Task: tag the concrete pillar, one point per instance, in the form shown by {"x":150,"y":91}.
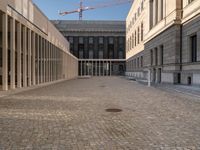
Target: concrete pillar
{"x":92,"y":68}
{"x":49,"y":49}
{"x":19,"y":55}
{"x":110,"y":68}
{"x":44,"y":60}
{"x":96,"y":68}
{"x":81,"y":68}
{"x":149,"y":77}
{"x":5,"y":52}
{"x":99,"y":68}
{"x":33,"y":59}
{"x":29,"y":57}
{"x":24,"y":57}
{"x":12,"y":49}
{"x":198,"y":46}
{"x":103,"y":68}
{"x":38,"y":59}
{"x":50,"y":62}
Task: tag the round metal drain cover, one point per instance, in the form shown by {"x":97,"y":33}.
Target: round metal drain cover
{"x":113,"y":110}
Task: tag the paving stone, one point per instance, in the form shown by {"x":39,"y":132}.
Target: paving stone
{"x":72,"y":115}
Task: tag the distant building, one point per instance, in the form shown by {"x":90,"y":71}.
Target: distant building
{"x":99,"y":45}
{"x":163,"y":37}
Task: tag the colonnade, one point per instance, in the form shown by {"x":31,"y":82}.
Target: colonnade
{"x":95,"y":67}
{"x":29,"y":58}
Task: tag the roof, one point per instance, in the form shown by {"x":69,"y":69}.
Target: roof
{"x":89,"y":25}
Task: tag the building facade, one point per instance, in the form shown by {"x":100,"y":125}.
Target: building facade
{"x":32,"y":50}
{"x":170,"y":48}
{"x":99,"y":45}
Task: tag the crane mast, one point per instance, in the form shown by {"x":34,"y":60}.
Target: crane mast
{"x":81,"y":10}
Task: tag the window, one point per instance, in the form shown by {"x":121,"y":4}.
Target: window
{"x":121,"y":40}
{"x":81,"y":54}
{"x":142,"y":32}
{"x":138,"y":12}
{"x":161,"y":54}
{"x":91,"y":40}
{"x":80,"y":40}
{"x":151,"y":53}
{"x":138,"y":35}
{"x":100,"y":40}
{"x":142,"y":6}
{"x":141,"y":61}
{"x":138,"y":62}
{"x":156,"y":56}
{"x":135,"y":38}
{"x":71,"y":40}
{"x":193,"y":46}
{"x":132,"y":40}
{"x":121,"y":54}
{"x":111,"y":40}
{"x":101,"y":54}
{"x":190,"y":1}
{"x":91,"y":54}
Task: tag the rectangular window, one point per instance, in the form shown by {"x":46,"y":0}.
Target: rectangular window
{"x":135,"y":38}
{"x":111,"y":40}
{"x":138,"y":62}
{"x":151,"y":53}
{"x":71,"y":40}
{"x":138,"y":35}
{"x":141,"y":59}
{"x":142,"y":32}
{"x":190,"y":1}
{"x":156,"y":56}
{"x":91,"y":40}
{"x":80,"y":40}
{"x":100,"y":40}
{"x":161,"y":54}
{"x":193,"y":46}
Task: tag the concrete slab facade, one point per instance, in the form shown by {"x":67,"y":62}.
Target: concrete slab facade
{"x":33,"y":51}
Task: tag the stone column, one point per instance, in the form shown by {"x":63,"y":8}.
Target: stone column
{"x":29,"y":57}
{"x":99,"y":68}
{"x":5,"y":52}
{"x":44,"y":60}
{"x":96,"y":68}
{"x":81,"y":68}
{"x":12,"y":49}
{"x":49,"y":66}
{"x":110,"y":68}
{"x":19,"y":56}
{"x":33,"y":58}
{"x":149,"y":77}
{"x":198,"y":46}
{"x":38,"y":59}
{"x":92,"y":68}
{"x":41,"y":59}
{"x":24,"y":57}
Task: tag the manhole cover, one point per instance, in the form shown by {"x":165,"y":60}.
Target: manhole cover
{"x":102,"y":86}
{"x":113,"y":110}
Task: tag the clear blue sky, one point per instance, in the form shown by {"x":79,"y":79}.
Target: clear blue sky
{"x":51,"y":8}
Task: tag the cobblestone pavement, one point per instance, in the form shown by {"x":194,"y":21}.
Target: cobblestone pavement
{"x":71,"y":116}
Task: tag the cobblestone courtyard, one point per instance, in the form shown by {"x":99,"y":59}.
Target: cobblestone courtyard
{"x":71,"y":116}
